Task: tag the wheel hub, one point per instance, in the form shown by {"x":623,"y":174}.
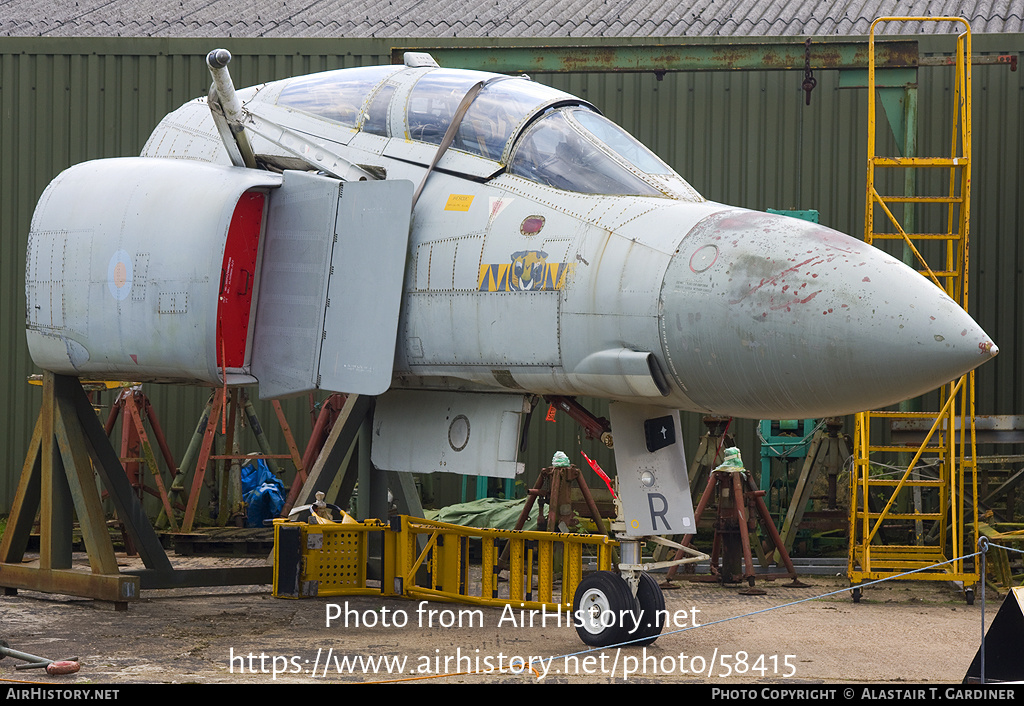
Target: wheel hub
{"x":594,"y":605}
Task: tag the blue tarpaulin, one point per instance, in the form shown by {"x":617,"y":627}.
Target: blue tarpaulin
{"x":262,"y":491}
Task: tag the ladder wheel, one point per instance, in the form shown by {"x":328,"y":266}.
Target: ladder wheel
{"x":601,"y":602}
{"x":652,"y":606}
{"x":969,"y":596}
{"x":856,"y":594}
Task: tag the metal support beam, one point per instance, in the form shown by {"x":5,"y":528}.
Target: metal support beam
{"x":761,"y":55}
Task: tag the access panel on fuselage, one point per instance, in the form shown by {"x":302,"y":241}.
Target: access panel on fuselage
{"x":331,"y":285}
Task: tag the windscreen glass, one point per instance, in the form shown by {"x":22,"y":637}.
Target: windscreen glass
{"x":556,"y":151}
{"x":621,"y":142}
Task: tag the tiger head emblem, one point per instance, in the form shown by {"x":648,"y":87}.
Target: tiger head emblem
{"x":528,"y":268}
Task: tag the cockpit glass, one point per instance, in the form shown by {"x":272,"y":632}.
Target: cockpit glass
{"x":492,"y":117}
{"x":498,"y":109}
{"x":434,"y":100}
{"x":376,"y":120}
{"x":624,"y":144}
{"x":557,"y":153}
{"x":334,"y":95}
{"x":567,"y":145}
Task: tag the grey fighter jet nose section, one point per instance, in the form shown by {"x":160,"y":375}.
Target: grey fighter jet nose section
{"x":764,"y":313}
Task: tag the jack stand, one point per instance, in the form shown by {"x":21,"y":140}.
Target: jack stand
{"x":202,"y":446}
{"x":554,"y":487}
{"x":135,"y":411}
{"x":709,"y":455}
{"x":740,"y":504}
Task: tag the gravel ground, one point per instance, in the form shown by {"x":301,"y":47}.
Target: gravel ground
{"x":901,"y":631}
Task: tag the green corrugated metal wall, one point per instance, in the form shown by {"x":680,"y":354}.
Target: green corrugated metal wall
{"x":742,"y":138}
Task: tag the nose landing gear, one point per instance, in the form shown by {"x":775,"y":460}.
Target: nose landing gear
{"x":625,"y":607}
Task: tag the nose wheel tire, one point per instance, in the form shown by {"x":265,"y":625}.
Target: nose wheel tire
{"x":652,"y":604}
{"x":604,"y":608}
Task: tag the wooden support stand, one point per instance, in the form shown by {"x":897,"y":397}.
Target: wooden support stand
{"x":828,"y":453}
{"x":57,"y":481}
{"x":344,"y":460}
{"x":323,"y":425}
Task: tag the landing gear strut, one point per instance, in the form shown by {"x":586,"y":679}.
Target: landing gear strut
{"x":626,"y":607}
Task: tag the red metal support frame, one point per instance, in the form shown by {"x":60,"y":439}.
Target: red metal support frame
{"x":134,"y":409}
{"x":233,"y":401}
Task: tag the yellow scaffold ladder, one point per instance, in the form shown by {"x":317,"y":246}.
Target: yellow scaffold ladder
{"x":936,"y":492}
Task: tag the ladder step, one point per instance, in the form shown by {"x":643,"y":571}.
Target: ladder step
{"x":893,"y":483}
{"x":921,"y":199}
{"x":907,"y":550}
{"x":942,"y":273}
{"x":916,"y":236}
{"x":903,"y":515}
{"x":919,"y":161}
{"x":903,"y":552}
{"x":893,"y":414}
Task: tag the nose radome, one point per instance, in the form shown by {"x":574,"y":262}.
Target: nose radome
{"x":772,"y":317}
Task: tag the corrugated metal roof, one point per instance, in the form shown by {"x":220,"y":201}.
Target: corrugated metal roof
{"x":491,"y":18}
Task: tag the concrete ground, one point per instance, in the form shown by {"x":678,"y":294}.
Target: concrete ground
{"x":903,"y":631}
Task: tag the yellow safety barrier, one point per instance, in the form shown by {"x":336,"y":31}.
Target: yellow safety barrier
{"x":330,"y":560}
{"x":446,"y":574}
{"x":322,"y":559}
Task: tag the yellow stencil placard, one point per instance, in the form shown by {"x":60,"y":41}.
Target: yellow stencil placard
{"x":459,"y":202}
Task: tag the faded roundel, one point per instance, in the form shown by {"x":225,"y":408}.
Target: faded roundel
{"x":119,"y":275}
{"x":703,"y":258}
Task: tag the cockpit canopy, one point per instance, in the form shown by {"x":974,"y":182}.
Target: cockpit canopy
{"x":532,"y":130}
{"x":335,"y":95}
